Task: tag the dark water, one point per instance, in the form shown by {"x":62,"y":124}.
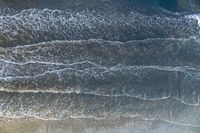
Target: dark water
{"x":76,"y":66}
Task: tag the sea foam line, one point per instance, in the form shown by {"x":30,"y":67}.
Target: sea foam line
{"x":106,"y":69}
{"x":140,"y":117}
{"x":52,"y":91}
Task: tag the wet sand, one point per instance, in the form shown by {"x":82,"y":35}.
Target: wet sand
{"x":115,"y":125}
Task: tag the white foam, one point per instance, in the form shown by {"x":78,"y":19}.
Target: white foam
{"x":196,"y":17}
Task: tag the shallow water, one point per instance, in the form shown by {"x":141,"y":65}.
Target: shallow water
{"x":99,"y":66}
{"x":124,"y":125}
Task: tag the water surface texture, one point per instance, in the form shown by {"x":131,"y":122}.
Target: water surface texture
{"x":99,"y":66}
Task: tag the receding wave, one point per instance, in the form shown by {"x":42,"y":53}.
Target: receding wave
{"x":149,"y":52}
{"x":90,"y":71}
{"x":60,"y":107}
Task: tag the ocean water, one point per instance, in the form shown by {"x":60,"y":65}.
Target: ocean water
{"x":99,"y":66}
